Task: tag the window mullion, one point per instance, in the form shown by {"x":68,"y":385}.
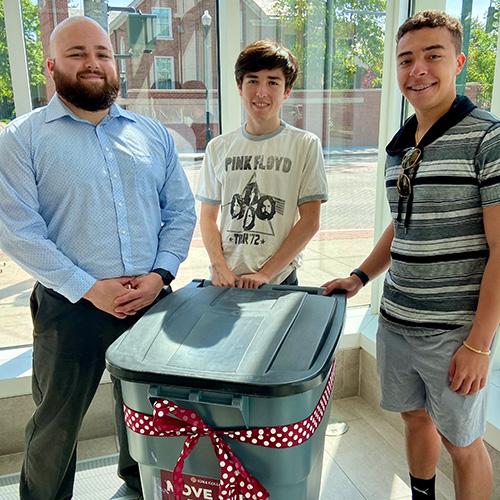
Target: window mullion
{"x":230,"y":32}
{"x":17,"y":56}
{"x":390,"y":121}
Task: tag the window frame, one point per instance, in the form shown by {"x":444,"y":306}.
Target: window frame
{"x":162,"y":10}
{"x":172,"y":73}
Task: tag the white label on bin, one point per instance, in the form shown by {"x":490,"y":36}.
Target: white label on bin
{"x":195,"y":487}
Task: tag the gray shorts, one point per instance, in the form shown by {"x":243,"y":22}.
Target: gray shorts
{"x":413,"y":374}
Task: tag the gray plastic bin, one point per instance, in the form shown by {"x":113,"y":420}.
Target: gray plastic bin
{"x":241,"y":359}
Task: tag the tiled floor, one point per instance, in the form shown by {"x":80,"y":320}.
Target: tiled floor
{"x":95,"y":480}
{"x":367,"y":463}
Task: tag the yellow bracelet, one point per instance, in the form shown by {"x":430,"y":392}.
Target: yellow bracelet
{"x":477,"y":351}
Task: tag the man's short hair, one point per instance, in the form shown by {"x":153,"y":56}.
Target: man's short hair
{"x":266,"y":54}
{"x":434,"y":19}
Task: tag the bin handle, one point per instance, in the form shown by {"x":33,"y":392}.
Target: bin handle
{"x":296,"y":288}
{"x":234,"y":402}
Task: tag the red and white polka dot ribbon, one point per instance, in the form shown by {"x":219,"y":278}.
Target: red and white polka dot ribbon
{"x":235,"y":481}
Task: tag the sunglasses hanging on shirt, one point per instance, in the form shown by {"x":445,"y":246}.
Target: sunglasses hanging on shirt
{"x":409,"y":165}
{"x":404,"y":184}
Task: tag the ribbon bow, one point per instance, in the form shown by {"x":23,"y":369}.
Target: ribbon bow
{"x":235,"y":482}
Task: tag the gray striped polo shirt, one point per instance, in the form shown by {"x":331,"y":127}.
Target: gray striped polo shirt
{"x":438,"y":259}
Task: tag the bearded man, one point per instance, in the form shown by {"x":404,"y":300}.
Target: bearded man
{"x":96,"y":207}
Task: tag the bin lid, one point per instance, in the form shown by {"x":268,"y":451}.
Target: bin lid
{"x":271,"y":341}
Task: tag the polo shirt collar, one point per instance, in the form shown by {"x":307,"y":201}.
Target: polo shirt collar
{"x":405,"y":137}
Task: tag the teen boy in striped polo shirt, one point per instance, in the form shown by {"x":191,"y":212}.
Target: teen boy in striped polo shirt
{"x":441,"y":301}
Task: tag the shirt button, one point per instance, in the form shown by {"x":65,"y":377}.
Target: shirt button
{"x":115,"y":176}
{"x":123,"y":231}
{"x":120,"y":204}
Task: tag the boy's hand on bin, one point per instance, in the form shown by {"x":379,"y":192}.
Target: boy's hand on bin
{"x":104,"y":292}
{"x":223,"y":276}
{"x":351,"y":286}
{"x":253,"y":280}
{"x":144,"y":291}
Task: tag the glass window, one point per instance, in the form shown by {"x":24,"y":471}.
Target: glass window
{"x":121,"y":56}
{"x":339,"y":46}
{"x":15,"y":284}
{"x":479,"y":19}
{"x":31,"y":25}
{"x":6,"y":96}
{"x":163,"y":22}
{"x":480,"y":43}
{"x":164,"y":72}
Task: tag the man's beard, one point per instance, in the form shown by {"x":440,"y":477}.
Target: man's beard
{"x":83,"y":94}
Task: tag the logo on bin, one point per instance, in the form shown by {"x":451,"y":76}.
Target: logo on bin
{"x":195,"y":487}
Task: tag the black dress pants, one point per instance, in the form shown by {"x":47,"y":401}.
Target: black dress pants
{"x":69,"y":343}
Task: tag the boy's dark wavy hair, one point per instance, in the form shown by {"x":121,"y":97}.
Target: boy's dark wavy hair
{"x":434,"y":19}
{"x":266,"y":54}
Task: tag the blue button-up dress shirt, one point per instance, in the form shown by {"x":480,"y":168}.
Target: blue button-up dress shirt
{"x":81,"y":202}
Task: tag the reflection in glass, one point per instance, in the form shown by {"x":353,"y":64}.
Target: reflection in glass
{"x":163,"y":22}
{"x":166,"y":68}
{"x":166,"y":60}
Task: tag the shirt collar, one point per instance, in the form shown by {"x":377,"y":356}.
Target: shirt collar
{"x":252,"y":137}
{"x":117,"y":110}
{"x":405,"y":137}
{"x":56,"y":110}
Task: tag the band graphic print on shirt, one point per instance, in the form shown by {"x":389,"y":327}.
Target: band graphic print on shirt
{"x":252,"y":213}
{"x":259,"y":183}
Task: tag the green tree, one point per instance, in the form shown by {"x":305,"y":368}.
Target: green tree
{"x":34,"y":52}
{"x":482,"y":56}
{"x":346,"y":35}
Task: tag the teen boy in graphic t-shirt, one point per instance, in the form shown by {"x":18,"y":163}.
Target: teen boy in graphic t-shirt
{"x":267,"y":179}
